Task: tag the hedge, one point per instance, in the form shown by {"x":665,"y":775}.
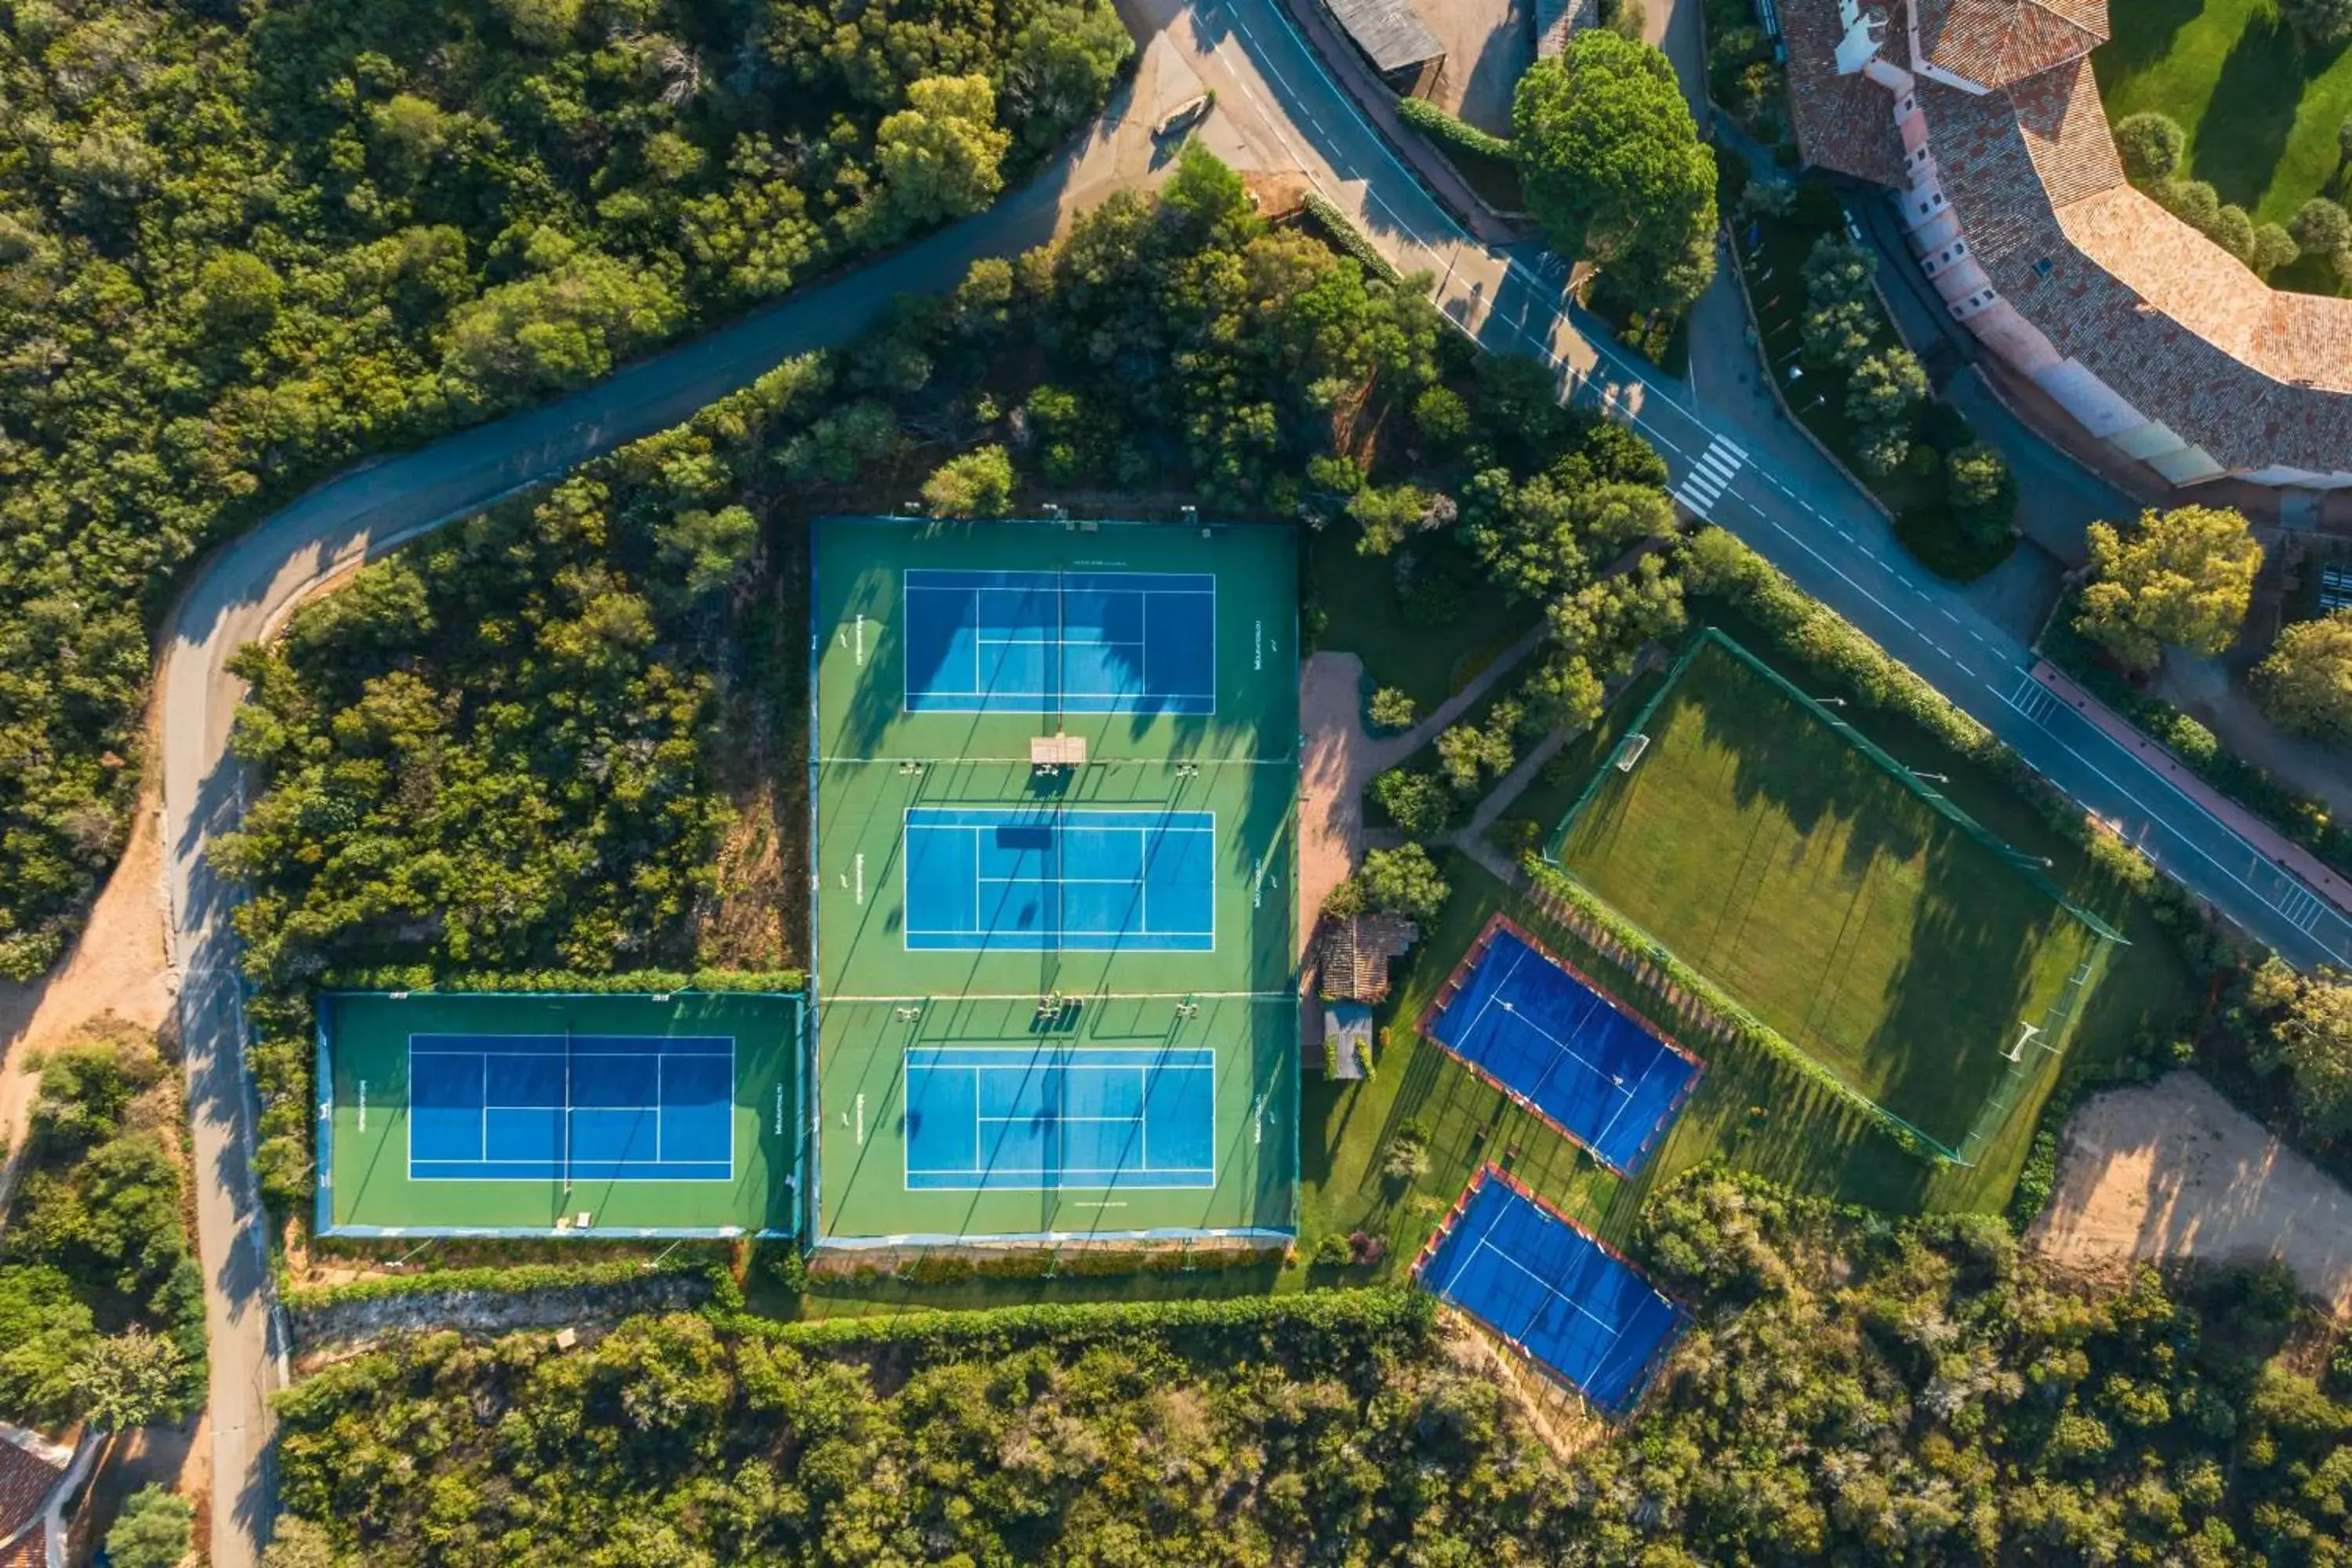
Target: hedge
{"x":1349,"y":240}
{"x":508,"y":1280}
{"x":422,"y":977}
{"x":1452,"y":132}
{"x":1292,"y":1325}
{"x":2303,"y":818}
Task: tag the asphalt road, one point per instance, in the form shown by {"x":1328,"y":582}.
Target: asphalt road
{"x":1735,"y":463}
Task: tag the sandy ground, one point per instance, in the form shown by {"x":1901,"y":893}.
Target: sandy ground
{"x":2171,"y":1170}
{"x":117,"y":967}
{"x":1487,"y":44}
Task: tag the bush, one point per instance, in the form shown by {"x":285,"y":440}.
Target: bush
{"x":1348,"y":241}
{"x":979,"y":483}
{"x":1442,"y":416}
{"x":1450,"y":131}
{"x":1332,"y":1252}
{"x":152,"y":1532}
{"x":1419,"y":804}
{"x":2321,"y":228}
{"x":2325,"y":23}
{"x":2273,"y":247}
{"x":1394,"y":711}
{"x":2152,"y":146}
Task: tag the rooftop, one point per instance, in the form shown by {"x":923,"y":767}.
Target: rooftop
{"x":1999,"y":43}
{"x":1391,"y":34}
{"x":1355,"y":954}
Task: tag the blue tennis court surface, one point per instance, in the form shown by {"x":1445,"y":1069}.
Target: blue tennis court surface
{"x":1061,"y":642}
{"x":1046,"y":1118}
{"x":1017,"y":878}
{"x":1560,"y":1049}
{"x":1554,"y":1293}
{"x":589,"y":1108}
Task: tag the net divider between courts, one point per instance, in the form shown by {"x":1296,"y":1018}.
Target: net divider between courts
{"x":1499,"y":923}
{"x":2029,"y":867}
{"x":1490,"y":1170}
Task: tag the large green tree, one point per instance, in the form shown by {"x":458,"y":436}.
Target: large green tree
{"x":2306,"y":682}
{"x":1614,"y":168}
{"x":2182,"y":579}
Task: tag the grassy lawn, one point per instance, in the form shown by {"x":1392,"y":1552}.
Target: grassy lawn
{"x":1774,"y":857}
{"x":1365,"y":615}
{"x":2261,"y":109}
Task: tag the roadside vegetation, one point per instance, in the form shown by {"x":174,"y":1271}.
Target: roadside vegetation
{"x":101,"y":1304}
{"x":1851,"y":1389}
{"x":240,"y":246}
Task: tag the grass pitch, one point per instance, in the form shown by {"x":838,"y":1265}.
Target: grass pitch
{"x":1846,"y":914}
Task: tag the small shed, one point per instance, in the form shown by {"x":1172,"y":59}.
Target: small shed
{"x":1353,"y":955}
{"x":1347,"y":1039}
{"x":1393,"y":38}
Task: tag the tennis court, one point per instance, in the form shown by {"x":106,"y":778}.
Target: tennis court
{"x":1056,"y":642}
{"x":1050,"y":1118}
{"x":489,"y":1108}
{"x":535,"y":1114}
{"x":1024,"y":879}
{"x":1523,"y":1021}
{"x":1533,"y":1276}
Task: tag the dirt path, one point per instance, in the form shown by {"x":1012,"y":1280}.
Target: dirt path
{"x":2171,"y":1170}
{"x":1339,"y":760}
{"x":117,"y":967}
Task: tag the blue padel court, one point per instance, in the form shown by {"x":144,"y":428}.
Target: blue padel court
{"x":1518,"y":1018}
{"x":584,"y":1107}
{"x":1552,"y":1291}
{"x":1050,"y":1118}
{"x":1014,"y":878}
{"x":1060,"y":642}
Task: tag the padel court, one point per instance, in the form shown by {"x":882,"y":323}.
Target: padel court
{"x":1531,"y":1275}
{"x":485,"y":1114}
{"x":1043,"y":1118}
{"x":1056,"y":767}
{"x":1520,"y":1020}
{"x":1035,"y":878}
{"x":536,"y":1107}
{"x":1053,"y":642}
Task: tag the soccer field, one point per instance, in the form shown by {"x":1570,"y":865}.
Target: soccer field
{"x":1057,"y":769}
{"x":1769,"y":852}
{"x":472,"y":1113}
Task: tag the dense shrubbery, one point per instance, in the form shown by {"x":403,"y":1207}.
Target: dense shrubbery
{"x":240,"y":244}
{"x":102,"y":1302}
{"x":1853,"y":1390}
{"x":1451,"y":131}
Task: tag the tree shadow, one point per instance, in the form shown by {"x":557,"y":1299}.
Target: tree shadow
{"x":2145,"y":40}
{"x":2247,"y":122}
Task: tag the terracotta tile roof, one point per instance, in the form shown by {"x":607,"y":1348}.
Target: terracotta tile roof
{"x":1355,"y":954}
{"x":2170,"y":320}
{"x":1845,"y":123}
{"x":1999,"y":43}
{"x":29,"y":1467}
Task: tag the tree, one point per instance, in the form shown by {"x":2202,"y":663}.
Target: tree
{"x":2183,"y":579}
{"x":152,"y":1531}
{"x":1063,"y":64}
{"x":938,"y":157}
{"x":2273,"y":247}
{"x":1842,"y":316}
{"x":1389,"y":516}
{"x":979,"y":483}
{"x":2310,"y":1036}
{"x":1416,"y":801}
{"x":297,"y":1542}
{"x":2321,"y":228}
{"x":129,"y":1381}
{"x":709,"y":549}
{"x":45,"y":1334}
{"x":1613,"y":168}
{"x":2325,"y":23}
{"x":1442,"y":418}
{"x":1395,"y":710}
{"x":1983,"y":492}
{"x":2306,"y":682}
{"x":1880,"y":401}
{"x":1402,"y":882}
{"x":567,"y":324}
{"x":2151,"y":145}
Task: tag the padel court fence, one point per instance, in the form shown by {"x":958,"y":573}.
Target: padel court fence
{"x":1560,"y":1047}
{"x":2024,"y":1059}
{"x":1555,"y":1293}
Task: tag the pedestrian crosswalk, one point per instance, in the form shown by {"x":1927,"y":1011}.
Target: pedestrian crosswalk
{"x":2301,"y":906}
{"x":2032,"y":699}
{"x":1705,"y":484}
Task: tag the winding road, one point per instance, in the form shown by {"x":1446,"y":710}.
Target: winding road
{"x":1734,"y":462}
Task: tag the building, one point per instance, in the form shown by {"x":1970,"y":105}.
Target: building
{"x":37,"y":1479}
{"x":1394,"y":39}
{"x":1983,"y":116}
{"x":1352,"y":955}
